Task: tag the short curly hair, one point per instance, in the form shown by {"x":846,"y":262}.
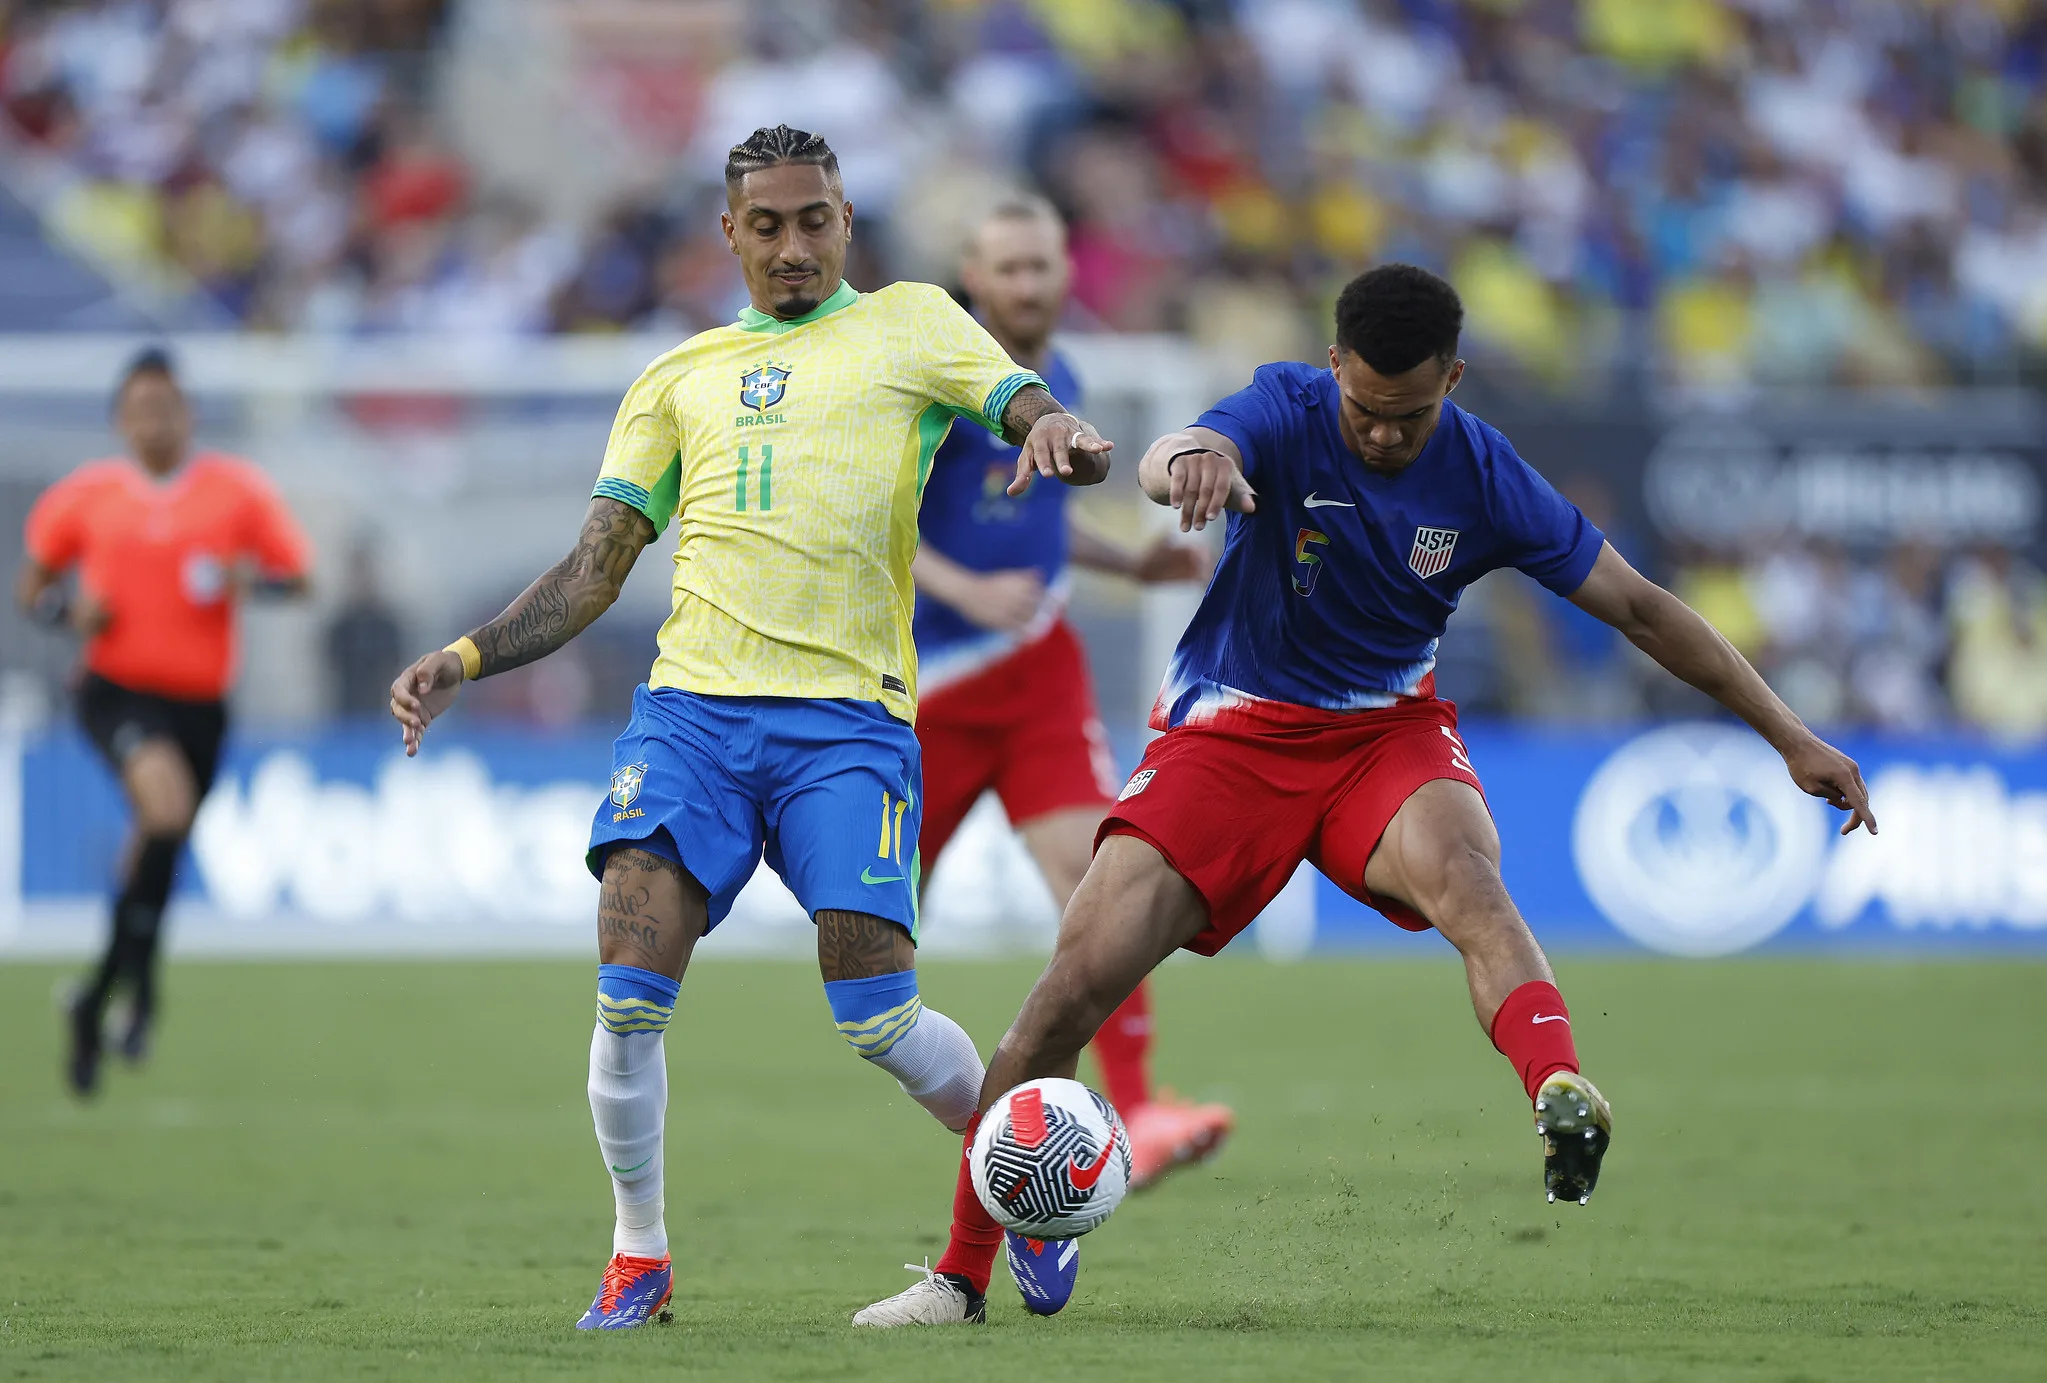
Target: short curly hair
{"x":1396,"y":316}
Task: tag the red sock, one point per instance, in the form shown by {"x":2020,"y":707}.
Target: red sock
{"x":1123,"y":1050}
{"x":975,"y":1236}
{"x":1533,"y":1030}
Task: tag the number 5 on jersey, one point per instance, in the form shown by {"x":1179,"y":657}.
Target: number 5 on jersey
{"x":1310,"y":563}
{"x":767,"y":478}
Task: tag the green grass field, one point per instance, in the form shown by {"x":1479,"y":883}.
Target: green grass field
{"x":386,"y":1171}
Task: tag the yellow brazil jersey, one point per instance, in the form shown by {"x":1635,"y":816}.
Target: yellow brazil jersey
{"x":793,"y":455}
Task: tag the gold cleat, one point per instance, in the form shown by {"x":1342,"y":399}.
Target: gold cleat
{"x":1576,"y":1124}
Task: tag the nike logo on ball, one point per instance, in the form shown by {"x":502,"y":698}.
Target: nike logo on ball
{"x":868,"y":876}
{"x":1311,"y":502}
{"x":1084,"y":1178}
{"x":1549,"y":1018}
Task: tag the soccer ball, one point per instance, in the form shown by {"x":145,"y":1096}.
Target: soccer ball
{"x":1051,"y":1159}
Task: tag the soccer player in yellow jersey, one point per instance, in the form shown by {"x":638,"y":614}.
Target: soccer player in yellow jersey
{"x":792,"y":449}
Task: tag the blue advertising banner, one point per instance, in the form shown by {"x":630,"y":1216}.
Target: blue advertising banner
{"x":1684,"y":839}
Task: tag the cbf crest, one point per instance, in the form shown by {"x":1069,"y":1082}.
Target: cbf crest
{"x":625,"y":785}
{"x":762,"y":387}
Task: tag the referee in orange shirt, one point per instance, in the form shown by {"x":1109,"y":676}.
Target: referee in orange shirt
{"x":164,"y":541}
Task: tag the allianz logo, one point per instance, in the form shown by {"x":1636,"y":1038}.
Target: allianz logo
{"x":1692,"y":840}
{"x":431,"y":839}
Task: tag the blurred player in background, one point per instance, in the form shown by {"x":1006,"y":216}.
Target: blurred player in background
{"x":1300,"y":720}
{"x":792,"y":449}
{"x":164,"y":541}
{"x":1007,"y":704}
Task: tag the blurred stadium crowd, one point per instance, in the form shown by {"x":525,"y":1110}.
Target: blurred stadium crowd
{"x":1847,"y":191}
{"x":1905,"y":640}
{"x":1710,"y":194}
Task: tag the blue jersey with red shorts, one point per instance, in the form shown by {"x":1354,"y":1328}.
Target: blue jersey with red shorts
{"x":1008,"y":710}
{"x":1322,"y":622}
{"x":968,"y":515}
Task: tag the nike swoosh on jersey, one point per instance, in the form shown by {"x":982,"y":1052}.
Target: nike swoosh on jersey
{"x":868,"y":876}
{"x":1084,"y":1178}
{"x":1312,"y":502}
{"x":1548,"y":1018}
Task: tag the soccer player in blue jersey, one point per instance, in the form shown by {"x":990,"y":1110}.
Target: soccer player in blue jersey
{"x":1007,"y":702}
{"x":1300,"y":720}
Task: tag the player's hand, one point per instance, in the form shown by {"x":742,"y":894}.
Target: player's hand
{"x":422,"y":692}
{"x":1169,"y":560}
{"x":1204,"y":483}
{"x":1825,"y":772}
{"x":89,"y":616}
{"x":1001,"y":600}
{"x":1061,"y":447}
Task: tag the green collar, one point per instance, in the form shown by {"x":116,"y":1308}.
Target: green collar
{"x":753,"y":319}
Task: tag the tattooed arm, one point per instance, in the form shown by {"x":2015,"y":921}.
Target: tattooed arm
{"x":554,"y":609}
{"x":1055,"y":444}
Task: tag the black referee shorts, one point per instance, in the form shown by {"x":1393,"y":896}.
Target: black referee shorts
{"x":118,"y":718}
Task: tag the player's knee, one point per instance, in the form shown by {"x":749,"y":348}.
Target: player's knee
{"x":1460,"y":878}
{"x":631,"y":1000}
{"x":876,"y":1013}
{"x":164,"y":796}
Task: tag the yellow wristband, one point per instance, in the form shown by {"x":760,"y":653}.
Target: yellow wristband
{"x":472,"y":660}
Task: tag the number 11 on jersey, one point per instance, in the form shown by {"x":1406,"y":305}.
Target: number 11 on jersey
{"x":767,"y":476}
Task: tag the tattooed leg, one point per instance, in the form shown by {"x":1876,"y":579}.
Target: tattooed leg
{"x":871,"y":983}
{"x":859,"y":946}
{"x":649,"y":916}
{"x":650,"y":912}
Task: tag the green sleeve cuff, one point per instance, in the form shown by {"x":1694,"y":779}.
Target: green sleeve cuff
{"x":637,"y":496}
{"x":998,"y":398}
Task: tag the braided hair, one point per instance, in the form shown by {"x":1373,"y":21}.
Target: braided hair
{"x":766,"y":148}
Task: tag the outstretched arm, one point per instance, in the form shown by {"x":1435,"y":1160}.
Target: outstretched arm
{"x":554,"y":609}
{"x":1001,"y":600}
{"x":1681,"y":640}
{"x":1198,"y":471}
{"x":1055,"y":444}
{"x":1163,"y":559}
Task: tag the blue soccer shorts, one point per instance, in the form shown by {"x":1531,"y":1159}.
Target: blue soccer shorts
{"x":828,"y":791}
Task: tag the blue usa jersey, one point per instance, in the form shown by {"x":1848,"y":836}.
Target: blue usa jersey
{"x":1333,"y":595}
{"x":968,"y":517}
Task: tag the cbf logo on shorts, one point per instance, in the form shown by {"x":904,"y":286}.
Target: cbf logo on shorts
{"x":762,"y":388}
{"x":1139,"y":781}
{"x":625,"y":790}
{"x":1432,"y":549}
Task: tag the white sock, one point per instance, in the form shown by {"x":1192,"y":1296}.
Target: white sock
{"x":629,"y":1105}
{"x":937,"y":1066}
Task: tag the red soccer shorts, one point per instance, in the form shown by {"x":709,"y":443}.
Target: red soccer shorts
{"x":1235,"y":812}
{"x":1025,"y":726}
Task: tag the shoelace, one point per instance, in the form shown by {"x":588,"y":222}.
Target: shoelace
{"x":619,"y":1275}
{"x":930,"y":1277}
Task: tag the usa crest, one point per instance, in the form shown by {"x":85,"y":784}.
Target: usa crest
{"x":762,"y":388}
{"x":1432,"y":549}
{"x":625,"y":784}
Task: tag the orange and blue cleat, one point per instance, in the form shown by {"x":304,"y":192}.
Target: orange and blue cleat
{"x":1045,"y":1271}
{"x":634,"y":1291}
